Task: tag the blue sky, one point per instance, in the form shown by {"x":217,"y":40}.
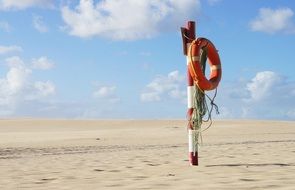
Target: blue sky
{"x":123,"y":58}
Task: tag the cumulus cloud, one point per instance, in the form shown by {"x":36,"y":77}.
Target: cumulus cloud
{"x":262,"y":85}
{"x":42,"y":63}
{"x":107,"y":93}
{"x":273,"y":21}
{"x":15,"y":79}
{"x":17,"y":88}
{"x":127,"y":19}
{"x":39,"y":24}
{"x":23,"y":4}
{"x":161,"y":87}
{"x":10,"y":49}
{"x":268,"y":95}
{"x":45,"y":88}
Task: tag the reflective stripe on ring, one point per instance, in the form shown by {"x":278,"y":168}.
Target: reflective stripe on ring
{"x":215,"y":67}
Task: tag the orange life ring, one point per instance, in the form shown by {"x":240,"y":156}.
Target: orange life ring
{"x":195,"y":67}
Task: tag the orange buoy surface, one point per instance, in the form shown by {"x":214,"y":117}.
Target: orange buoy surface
{"x":205,"y":45}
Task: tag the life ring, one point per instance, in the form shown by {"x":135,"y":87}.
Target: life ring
{"x":194,"y":64}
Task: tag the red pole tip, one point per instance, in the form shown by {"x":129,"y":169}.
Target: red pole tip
{"x":190,"y":22}
{"x":193,"y":158}
{"x":191,"y":27}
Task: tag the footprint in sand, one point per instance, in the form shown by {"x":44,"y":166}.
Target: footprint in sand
{"x":98,"y":170}
{"x":150,"y":164}
{"x":45,"y":180}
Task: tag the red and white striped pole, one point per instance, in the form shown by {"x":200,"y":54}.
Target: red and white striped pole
{"x":188,"y":35}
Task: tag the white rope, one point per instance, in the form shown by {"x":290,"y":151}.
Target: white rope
{"x":201,"y":108}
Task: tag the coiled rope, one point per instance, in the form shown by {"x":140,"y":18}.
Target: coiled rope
{"x":200,"y":105}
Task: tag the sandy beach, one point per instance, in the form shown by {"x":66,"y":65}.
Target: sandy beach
{"x":134,"y":154}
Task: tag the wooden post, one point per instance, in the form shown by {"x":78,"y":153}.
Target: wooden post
{"x":188,"y":35}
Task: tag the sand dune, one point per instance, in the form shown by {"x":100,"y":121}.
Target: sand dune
{"x":131,"y":154}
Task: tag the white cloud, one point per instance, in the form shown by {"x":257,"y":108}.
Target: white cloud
{"x":268,"y":95}
{"x":128,"y":19}
{"x":273,"y":21}
{"x":13,"y":84}
{"x":172,"y":86}
{"x":17,"y":88}
{"x":45,"y":88}
{"x":10,"y":49}
{"x":39,"y":24}
{"x":262,"y":84}
{"x":42,"y":63}
{"x":39,"y":90}
{"x":104,"y":92}
{"x":107,"y":93}
{"x":15,"y":79}
{"x":23,"y":4}
{"x":5,"y":26}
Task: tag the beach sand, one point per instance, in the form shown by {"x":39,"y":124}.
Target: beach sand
{"x":134,"y":154}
